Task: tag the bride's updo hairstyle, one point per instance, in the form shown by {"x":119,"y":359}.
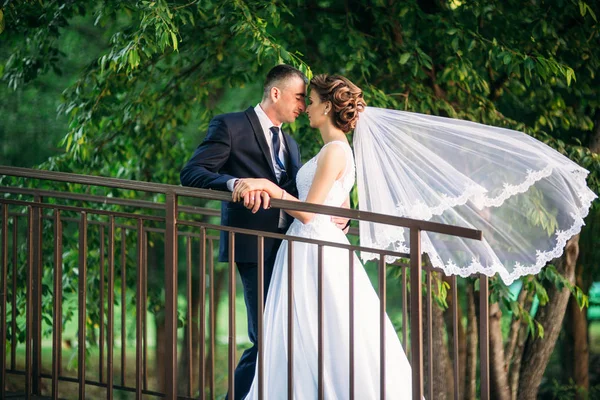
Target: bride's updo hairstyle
{"x":345,"y":96}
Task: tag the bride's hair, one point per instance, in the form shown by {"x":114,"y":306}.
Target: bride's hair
{"x":345,"y":96}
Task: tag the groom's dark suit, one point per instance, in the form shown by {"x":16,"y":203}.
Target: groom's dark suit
{"x":236,"y":147}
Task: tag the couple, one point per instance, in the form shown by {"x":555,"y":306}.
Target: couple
{"x":526,"y":198}
{"x":248,"y":154}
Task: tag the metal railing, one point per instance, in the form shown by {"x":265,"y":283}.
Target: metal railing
{"x":32,"y":212}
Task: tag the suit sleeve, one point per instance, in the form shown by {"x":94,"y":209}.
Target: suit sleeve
{"x":202,"y":170}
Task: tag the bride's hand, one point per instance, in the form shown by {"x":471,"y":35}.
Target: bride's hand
{"x":244,"y":186}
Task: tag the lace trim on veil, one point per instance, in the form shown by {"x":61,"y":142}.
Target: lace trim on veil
{"x":392,"y":233}
{"x":476,"y":194}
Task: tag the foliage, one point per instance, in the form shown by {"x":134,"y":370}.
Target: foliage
{"x":572,"y":391}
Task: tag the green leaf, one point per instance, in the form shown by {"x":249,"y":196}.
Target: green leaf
{"x":582,"y":8}
{"x":404,"y":58}
{"x":1,"y":21}
{"x":174,"y":38}
{"x":570,"y":74}
{"x":540,"y":330}
{"x":592,"y":13}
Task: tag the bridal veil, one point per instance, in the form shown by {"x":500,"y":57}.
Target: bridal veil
{"x":525,"y":197}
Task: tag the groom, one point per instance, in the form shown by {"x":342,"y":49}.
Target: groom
{"x":251,"y":144}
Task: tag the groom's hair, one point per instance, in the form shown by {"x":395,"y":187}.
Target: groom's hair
{"x":280,"y":73}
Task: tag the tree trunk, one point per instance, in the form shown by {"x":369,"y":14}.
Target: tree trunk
{"x":537,"y":351}
{"x":462,"y":338}
{"x":472,"y":343}
{"x":517,"y":353}
{"x":576,"y":363}
{"x":595,"y":141}
{"x":498,"y":372}
{"x":443,"y":384}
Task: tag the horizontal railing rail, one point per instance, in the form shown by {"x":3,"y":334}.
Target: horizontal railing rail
{"x":207,"y":194}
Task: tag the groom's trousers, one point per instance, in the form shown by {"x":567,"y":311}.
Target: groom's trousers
{"x":244,"y":372}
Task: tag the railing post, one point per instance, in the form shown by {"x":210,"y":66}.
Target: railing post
{"x":57,"y":305}
{"x":36,"y":323}
{"x":110,"y":329}
{"x":416,"y":314}
{"x":82,"y":295}
{"x":231,"y":356}
{"x":139,"y":310}
{"x":3,"y":289}
{"x":260,"y":249}
{"x":28,"y":301}
{"x":170,"y":365}
{"x":484,"y":344}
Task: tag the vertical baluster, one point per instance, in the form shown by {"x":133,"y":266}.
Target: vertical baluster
{"x":101,"y":356}
{"x":188,"y":284}
{"x":351,"y":319}
{"x":416,"y":308}
{"x":82,"y":295}
{"x":202,"y":317}
{"x":145,"y":308}
{"x":31,"y":238}
{"x":110,"y":331}
{"x":171,"y":296}
{"x":139,"y":311}
{"x":36,"y":300}
{"x":484,"y":331}
{"x":3,"y":289}
{"x":57,"y":311}
{"x":212,"y":310}
{"x":321,"y":388}
{"x":232,"y":344}
{"x":13,"y":341}
{"x":290,"y":320}
{"x":260,"y":307}
{"x":455,"y":323}
{"x":123,"y":306}
{"x":429,"y":336}
{"x":405,"y":310}
{"x":382,"y":307}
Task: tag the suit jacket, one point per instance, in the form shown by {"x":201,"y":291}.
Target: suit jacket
{"x":235,"y":147}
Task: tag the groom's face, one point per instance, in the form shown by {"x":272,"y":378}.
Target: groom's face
{"x":291,"y":101}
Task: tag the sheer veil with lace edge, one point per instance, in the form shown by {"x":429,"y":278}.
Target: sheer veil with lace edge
{"x":525,"y":197}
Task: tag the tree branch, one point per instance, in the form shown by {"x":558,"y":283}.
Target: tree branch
{"x":595,"y":142}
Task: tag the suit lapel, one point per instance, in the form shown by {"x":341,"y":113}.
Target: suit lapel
{"x":260,"y":138}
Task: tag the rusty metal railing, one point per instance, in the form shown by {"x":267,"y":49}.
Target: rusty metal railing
{"x":27,"y":214}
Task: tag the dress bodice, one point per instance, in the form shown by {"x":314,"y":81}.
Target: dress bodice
{"x":341,"y":187}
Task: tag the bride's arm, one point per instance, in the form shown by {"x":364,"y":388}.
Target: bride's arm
{"x":330,"y":166}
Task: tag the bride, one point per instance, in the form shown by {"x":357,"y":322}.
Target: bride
{"x":334,"y":107}
{"x":526,"y":198}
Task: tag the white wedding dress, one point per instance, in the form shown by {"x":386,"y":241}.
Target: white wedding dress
{"x":336,"y":314}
